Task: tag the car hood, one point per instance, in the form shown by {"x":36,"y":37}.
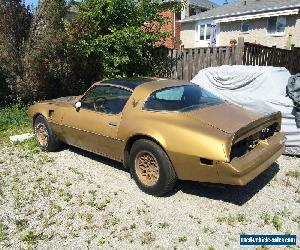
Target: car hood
{"x":64,"y":100}
{"x":226,"y":117}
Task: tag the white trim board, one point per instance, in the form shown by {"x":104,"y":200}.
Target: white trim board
{"x":256,"y":16}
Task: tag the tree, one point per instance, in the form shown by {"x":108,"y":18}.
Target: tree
{"x":14,"y":30}
{"x":44,"y":58}
{"x":121,"y":34}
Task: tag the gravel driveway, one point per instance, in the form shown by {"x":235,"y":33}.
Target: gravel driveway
{"x":76,"y":200}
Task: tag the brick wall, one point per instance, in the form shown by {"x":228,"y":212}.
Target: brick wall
{"x":169,"y":27}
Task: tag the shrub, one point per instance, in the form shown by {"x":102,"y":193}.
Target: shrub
{"x":121,"y":34}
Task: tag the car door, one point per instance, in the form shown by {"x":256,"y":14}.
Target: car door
{"x":94,"y":126}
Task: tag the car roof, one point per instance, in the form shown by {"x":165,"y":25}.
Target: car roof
{"x":130,"y":83}
{"x":146,"y":83}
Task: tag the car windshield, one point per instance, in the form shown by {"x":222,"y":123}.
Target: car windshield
{"x":181,"y":98}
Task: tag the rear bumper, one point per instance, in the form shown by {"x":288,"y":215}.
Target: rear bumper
{"x":242,"y":170}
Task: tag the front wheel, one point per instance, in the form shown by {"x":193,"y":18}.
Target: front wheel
{"x":45,"y":136}
{"x":151,"y":168}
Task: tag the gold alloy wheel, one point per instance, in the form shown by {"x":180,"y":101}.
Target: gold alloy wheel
{"x":42,"y":134}
{"x":146,"y":168}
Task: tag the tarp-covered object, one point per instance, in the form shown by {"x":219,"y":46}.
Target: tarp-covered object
{"x":258,"y":88}
{"x":293,"y":91}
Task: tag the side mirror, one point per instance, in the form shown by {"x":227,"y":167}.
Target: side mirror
{"x":77,"y":105}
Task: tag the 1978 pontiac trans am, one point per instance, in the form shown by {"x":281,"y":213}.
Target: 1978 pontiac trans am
{"x":162,"y":130}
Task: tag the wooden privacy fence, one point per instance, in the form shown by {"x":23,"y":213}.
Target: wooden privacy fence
{"x":271,"y":56}
{"x":184,"y":64}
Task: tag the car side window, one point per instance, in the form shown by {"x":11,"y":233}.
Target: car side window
{"x":106,"y":99}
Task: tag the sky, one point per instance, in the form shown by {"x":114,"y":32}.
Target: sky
{"x":33,"y":2}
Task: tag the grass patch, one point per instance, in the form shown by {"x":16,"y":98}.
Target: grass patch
{"x":31,"y":237}
{"x":13,"y":120}
{"x":29,"y":145}
{"x":231,"y":219}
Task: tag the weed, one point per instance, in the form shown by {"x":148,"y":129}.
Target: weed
{"x":285,"y":212}
{"x":68,"y":183}
{"x":182,"y":239}
{"x":266,"y":218}
{"x":115,"y":221}
{"x":21,"y":224}
{"x":3,"y":231}
{"x":133,"y":226}
{"x":277,"y":223}
{"x":262,"y":248}
{"x":196,"y":218}
{"x":77,"y":172}
{"x":293,"y":173}
{"x":211,"y":248}
{"x":148,"y":223}
{"x":89,"y":218}
{"x":103,"y":204}
{"x":208,"y":230}
{"x":80,"y":200}
{"x":163,"y":225}
{"x":231,"y":219}
{"x":147,"y":238}
{"x":31,"y":237}
{"x":101,"y":241}
{"x":241,"y":217}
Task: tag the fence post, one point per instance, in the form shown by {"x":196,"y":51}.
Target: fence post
{"x":239,"y":51}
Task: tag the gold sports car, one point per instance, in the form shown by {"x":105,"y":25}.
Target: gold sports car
{"x":162,"y":130}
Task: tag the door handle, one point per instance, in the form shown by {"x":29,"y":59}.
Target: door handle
{"x":114,"y":124}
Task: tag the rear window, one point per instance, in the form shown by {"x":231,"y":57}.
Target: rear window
{"x":181,"y":98}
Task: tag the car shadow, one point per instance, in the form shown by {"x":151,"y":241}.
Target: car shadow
{"x":95,"y":157}
{"x":237,"y":195}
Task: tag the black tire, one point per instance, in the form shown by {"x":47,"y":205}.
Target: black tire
{"x":166,"y":179}
{"x":51,"y":143}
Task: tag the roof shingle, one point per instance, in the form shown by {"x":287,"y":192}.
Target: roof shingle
{"x":239,"y":7}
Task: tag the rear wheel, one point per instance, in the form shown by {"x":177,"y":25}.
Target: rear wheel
{"x":151,"y":168}
{"x":45,"y":136}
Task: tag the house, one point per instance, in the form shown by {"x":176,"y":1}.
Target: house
{"x":267,"y":22}
{"x":189,"y":8}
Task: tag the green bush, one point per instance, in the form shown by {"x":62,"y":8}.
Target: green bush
{"x":121,"y":34}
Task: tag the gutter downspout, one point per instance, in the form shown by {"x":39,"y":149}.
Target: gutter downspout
{"x":174,"y":30}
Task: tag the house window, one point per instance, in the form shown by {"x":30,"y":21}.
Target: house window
{"x":204,"y":31}
{"x":245,"y":26}
{"x":208,"y":31}
{"x":276,"y":24}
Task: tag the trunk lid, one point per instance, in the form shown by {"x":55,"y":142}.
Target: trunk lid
{"x":226,"y":117}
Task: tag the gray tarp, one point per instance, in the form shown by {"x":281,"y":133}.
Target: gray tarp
{"x":258,"y":88}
